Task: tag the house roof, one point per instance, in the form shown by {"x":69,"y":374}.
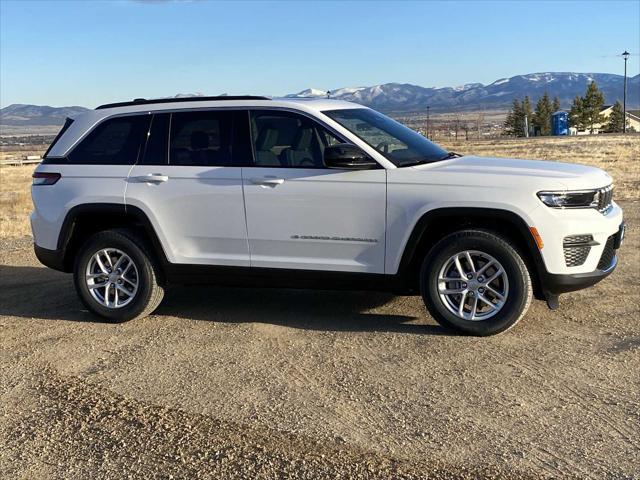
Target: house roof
{"x":634,"y":113}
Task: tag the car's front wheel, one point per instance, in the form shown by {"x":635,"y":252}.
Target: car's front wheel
{"x":475,"y":282}
{"x":116,"y":277}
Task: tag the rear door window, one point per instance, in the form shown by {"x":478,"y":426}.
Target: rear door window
{"x":201,"y":138}
{"x":117,"y":141}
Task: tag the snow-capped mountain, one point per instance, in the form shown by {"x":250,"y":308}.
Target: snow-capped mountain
{"x":187,"y":95}
{"x":403,"y":97}
{"x":310,"y":93}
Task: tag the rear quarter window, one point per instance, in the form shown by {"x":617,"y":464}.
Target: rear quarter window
{"x":65,"y":127}
{"x":117,"y":141}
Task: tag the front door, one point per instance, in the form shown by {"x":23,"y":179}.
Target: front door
{"x":301,"y":215}
{"x":189,"y":184}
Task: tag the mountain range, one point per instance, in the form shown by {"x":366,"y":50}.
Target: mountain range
{"x":403,"y":97}
{"x":406,"y":98}
{"x":36,"y":115}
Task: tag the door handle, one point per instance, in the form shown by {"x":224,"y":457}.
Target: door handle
{"x":153,"y":178}
{"x":268,"y":182}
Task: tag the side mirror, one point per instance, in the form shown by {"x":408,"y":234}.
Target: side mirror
{"x":347,"y":157}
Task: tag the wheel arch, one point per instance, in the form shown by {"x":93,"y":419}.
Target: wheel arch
{"x":436,"y":224}
{"x":84,"y":220}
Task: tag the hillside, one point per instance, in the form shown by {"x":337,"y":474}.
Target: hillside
{"x":35,"y":115}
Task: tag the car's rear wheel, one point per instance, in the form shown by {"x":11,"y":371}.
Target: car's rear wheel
{"x":475,"y":282}
{"x":116,"y":276}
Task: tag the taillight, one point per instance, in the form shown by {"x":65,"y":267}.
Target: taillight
{"x":45,"y":178}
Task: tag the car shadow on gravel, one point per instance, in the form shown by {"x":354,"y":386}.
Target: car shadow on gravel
{"x":323,"y":310}
{"x":36,"y":292}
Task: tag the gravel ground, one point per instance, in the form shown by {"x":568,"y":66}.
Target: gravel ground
{"x":250,"y":383}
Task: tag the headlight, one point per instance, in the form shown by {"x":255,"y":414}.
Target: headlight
{"x":577,"y":199}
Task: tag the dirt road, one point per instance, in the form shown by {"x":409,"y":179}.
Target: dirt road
{"x":234,"y":383}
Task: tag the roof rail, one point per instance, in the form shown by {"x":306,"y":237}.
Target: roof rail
{"x":142,"y":101}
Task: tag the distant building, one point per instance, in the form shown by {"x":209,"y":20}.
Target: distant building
{"x":633,"y":117}
{"x":633,"y":121}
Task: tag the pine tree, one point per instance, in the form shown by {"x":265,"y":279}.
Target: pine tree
{"x":556,"y":105}
{"x":585,"y":111}
{"x":616,"y":119}
{"x":513,"y":123}
{"x":542,"y":116}
{"x":592,"y":104}
{"x":576,"y":119}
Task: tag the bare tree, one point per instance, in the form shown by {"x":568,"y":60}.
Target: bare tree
{"x":457,"y":120}
{"x":479,"y":124}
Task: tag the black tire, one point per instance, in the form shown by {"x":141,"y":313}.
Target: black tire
{"x":149,"y":292}
{"x":520,"y":289}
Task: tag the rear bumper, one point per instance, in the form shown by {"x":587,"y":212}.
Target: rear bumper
{"x":50,"y":258}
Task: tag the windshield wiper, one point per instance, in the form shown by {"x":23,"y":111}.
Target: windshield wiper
{"x":425,"y":160}
{"x":451,"y":155}
{"x":416,"y":162}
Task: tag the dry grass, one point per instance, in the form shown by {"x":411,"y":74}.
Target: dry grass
{"x":15,"y":201}
{"x":619,"y":155}
{"x":18,"y":151}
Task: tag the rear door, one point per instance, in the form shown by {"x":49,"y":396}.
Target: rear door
{"x":189,"y":185}
{"x":301,"y":215}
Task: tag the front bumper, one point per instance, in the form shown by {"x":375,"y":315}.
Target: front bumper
{"x":555,"y":284}
{"x":555,"y":225}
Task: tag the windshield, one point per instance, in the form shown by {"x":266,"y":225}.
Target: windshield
{"x":397,"y":143}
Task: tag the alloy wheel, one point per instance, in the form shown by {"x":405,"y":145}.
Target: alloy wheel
{"x":473,"y":285}
{"x":112,"y":278}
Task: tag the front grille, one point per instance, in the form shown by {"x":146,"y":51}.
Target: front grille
{"x":577,"y":239}
{"x":608,"y":254}
{"x":576,"y":249}
{"x":605,"y":199}
{"x":576,"y":256}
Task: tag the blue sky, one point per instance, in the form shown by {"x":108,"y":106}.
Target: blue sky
{"x":87,"y":53}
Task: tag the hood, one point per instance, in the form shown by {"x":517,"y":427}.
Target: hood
{"x":538,"y":174}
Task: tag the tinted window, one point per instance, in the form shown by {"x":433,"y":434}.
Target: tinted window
{"x":285,"y":139}
{"x":201,"y":138}
{"x":65,"y":127}
{"x":156,"y":152}
{"x":398,"y":143}
{"x":113,"y":142}
{"x":241,"y":150}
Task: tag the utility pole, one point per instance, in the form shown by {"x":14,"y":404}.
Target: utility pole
{"x":625,"y":55}
{"x":428,"y":130}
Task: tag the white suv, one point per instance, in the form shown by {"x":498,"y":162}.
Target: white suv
{"x":134,"y":196}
